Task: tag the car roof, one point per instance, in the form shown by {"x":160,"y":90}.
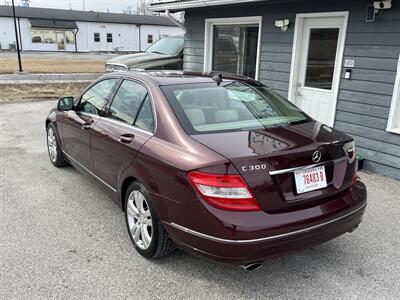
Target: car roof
{"x":165,"y":77}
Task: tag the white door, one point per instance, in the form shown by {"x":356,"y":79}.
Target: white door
{"x":320,"y":43}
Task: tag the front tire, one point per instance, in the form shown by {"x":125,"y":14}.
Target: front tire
{"x":145,"y":229}
{"x":53,"y":148}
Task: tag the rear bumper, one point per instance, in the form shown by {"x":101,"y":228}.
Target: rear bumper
{"x":310,"y":233}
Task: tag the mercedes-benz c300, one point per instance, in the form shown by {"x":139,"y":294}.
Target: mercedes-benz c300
{"x":216,"y":164}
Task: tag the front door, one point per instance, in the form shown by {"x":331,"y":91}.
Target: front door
{"x":319,"y":54}
{"x":78,"y":123}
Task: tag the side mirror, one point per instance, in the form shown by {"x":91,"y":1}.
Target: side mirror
{"x":66,"y":103}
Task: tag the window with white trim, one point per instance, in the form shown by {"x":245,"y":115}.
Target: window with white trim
{"x":233,"y":45}
{"x":394,"y":115}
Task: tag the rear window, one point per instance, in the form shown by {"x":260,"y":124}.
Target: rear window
{"x":232,"y":106}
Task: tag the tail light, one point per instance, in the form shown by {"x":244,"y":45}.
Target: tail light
{"x":228,"y":192}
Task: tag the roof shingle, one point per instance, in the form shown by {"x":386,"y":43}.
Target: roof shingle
{"x":85,"y":16}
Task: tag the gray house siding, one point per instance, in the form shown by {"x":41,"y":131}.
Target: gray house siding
{"x":363,"y":102}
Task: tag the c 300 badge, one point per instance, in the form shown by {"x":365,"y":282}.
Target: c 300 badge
{"x":252,"y":168}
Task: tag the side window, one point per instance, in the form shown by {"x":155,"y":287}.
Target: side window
{"x":145,"y":118}
{"x":109,"y":38}
{"x":127,"y":102}
{"x":95,"y":99}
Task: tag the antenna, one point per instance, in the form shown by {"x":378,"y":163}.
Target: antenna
{"x":217,"y":79}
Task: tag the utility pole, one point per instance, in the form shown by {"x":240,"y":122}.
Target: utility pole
{"x":16,"y":38}
{"x":83,"y":4}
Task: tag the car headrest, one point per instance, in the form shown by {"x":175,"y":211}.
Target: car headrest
{"x":226,"y":115}
{"x":217,"y":97}
{"x":196,"y":116}
{"x":187,"y":98}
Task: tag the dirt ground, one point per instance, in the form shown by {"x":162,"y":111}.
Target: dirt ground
{"x":40,"y":62}
{"x":46,"y":91}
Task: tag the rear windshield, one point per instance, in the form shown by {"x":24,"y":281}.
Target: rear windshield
{"x":232,"y":106}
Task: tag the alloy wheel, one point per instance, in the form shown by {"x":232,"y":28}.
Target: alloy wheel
{"x":52,"y":144}
{"x":139,"y":220}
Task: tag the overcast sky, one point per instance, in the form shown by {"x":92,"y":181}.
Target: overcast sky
{"x":97,"y":5}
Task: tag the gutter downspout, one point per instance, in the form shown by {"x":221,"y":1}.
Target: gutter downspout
{"x":175,"y":21}
{"x":19,"y":31}
{"x":140,"y":37}
{"x":76,"y":41}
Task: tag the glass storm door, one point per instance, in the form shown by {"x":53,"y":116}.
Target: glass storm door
{"x":235,"y":49}
{"x":319,"y":66}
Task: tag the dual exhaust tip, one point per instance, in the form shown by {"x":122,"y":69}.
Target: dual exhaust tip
{"x":252,"y":266}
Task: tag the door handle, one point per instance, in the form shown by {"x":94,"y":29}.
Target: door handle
{"x":86,"y":126}
{"x":88,"y":123}
{"x":126,"y":138}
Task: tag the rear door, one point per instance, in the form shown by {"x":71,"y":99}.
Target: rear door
{"x":117,"y":137}
{"x":78,"y":124}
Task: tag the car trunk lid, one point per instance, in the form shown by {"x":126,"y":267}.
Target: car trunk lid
{"x":268,"y":158}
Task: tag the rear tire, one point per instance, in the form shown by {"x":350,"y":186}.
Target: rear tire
{"x":53,"y":148}
{"x":144,"y":227}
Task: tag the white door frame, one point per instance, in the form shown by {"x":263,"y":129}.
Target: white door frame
{"x":395,"y":103}
{"x":294,"y":69}
{"x":208,"y":38}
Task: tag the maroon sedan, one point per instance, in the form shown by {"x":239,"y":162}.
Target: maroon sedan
{"x":218,"y":165}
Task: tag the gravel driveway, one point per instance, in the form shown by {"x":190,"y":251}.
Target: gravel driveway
{"x":62,"y":237}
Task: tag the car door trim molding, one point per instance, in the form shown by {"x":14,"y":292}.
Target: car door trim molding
{"x":290,"y":170}
{"x":90,"y":172}
{"x":264,"y":239}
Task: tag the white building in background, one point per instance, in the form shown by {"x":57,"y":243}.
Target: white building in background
{"x":43,"y":29}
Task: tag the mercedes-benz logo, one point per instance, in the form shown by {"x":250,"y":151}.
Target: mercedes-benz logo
{"x":316,"y":157}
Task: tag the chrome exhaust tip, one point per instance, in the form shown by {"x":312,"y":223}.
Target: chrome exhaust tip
{"x":252,"y":266}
